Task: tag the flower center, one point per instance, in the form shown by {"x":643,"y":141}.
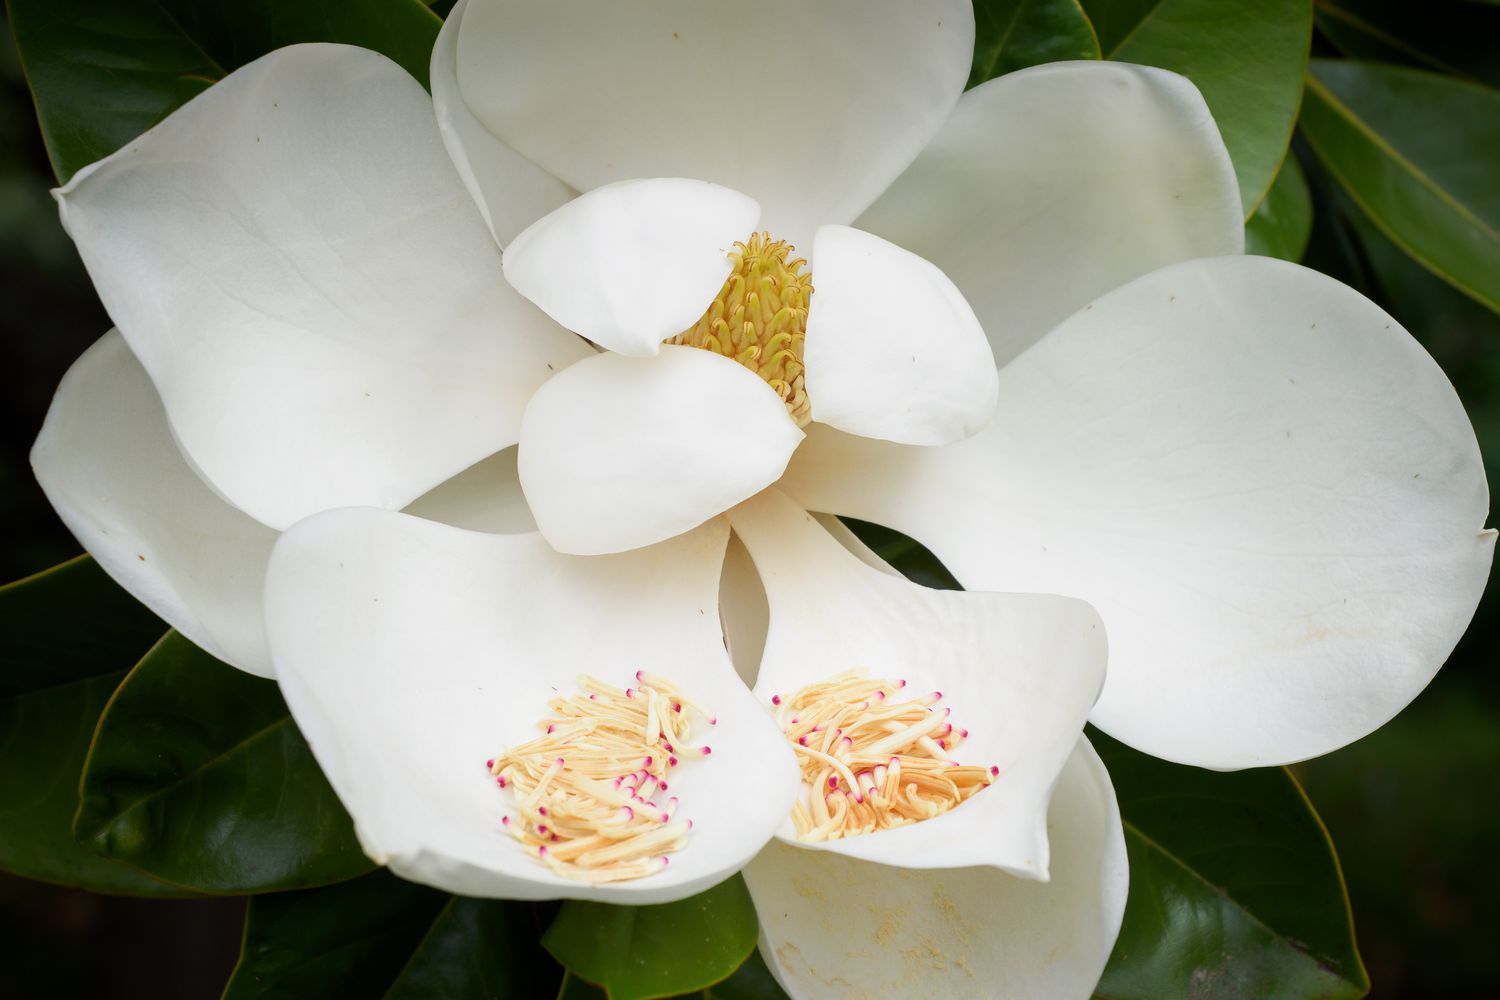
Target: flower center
{"x":759,"y":318}
{"x":871,"y":762}
{"x":586,"y":791}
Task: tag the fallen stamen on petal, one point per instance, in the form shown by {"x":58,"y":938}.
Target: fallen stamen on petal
{"x":602,"y":751}
{"x":877,"y":765}
{"x":759,"y":319}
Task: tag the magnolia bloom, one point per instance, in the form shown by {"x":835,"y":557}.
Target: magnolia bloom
{"x":482,"y":477}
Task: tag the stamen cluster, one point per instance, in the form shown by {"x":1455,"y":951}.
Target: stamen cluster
{"x":586,"y":791}
{"x":870,"y":762}
{"x":759,"y":319}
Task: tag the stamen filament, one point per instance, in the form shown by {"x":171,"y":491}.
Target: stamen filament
{"x":869,"y":762}
{"x":584,"y":790}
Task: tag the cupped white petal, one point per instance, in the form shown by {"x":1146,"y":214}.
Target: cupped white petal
{"x":618,"y":452}
{"x":837,"y":927}
{"x":893,"y":351}
{"x":510,"y":190}
{"x":411,"y":651}
{"x":1267,"y":488}
{"x":106,"y":459}
{"x":484,"y":497}
{"x":1019,"y":671}
{"x":1050,"y":186}
{"x":812,"y":109}
{"x":744,"y":611}
{"x":298,"y":268}
{"x":630,"y":264}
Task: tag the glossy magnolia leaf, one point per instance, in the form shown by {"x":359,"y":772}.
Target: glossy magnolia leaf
{"x":1013,"y":34}
{"x":67,"y":638}
{"x":751,"y":981}
{"x":1282,"y":224}
{"x":1234,"y":887}
{"x":639,"y":952}
{"x":378,"y":936}
{"x":1417,"y":151}
{"x":199,"y":777}
{"x":1453,"y":37}
{"x":104,"y":71}
{"x":1247,"y":58}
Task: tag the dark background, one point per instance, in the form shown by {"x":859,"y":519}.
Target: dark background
{"x":1413,"y":808}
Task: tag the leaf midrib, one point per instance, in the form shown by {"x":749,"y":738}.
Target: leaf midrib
{"x":1401,"y":160}
{"x":172,"y":785}
{"x":1224,"y":893}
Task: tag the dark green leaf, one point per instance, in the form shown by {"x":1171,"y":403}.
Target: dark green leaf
{"x":1447,"y":36}
{"x":1281,"y":225}
{"x":198,"y":776}
{"x":1247,"y":58}
{"x":906,"y":555}
{"x":1234,"y":887}
{"x":67,"y":637}
{"x":1013,"y":34}
{"x":378,"y":936}
{"x":1418,"y":153}
{"x":751,"y":981}
{"x":640,"y":952}
{"x":104,"y":71}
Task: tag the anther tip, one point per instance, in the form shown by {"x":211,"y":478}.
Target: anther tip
{"x":490,"y":762}
{"x":707,"y":751}
{"x":542,"y":850}
{"x":542,"y":810}
{"x":994,"y":772}
{"x":640,"y":675}
{"x":500,"y":781}
{"x":505,"y":821}
{"x":671,"y":761}
{"x":776,"y":699}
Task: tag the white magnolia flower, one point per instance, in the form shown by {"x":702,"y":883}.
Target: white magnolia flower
{"x":1268,"y":491}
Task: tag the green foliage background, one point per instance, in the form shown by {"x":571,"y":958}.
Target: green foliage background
{"x":1392,"y":184}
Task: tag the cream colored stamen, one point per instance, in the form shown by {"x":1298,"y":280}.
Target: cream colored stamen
{"x":586,"y":789}
{"x":759,"y":318}
{"x":870,"y":761}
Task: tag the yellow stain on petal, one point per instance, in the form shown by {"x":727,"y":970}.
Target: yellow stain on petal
{"x":759,"y":318}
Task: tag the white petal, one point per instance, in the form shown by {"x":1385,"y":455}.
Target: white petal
{"x":303,"y":276}
{"x":484,"y":497}
{"x":813,"y":109}
{"x":893,"y":351}
{"x":1050,"y":186}
{"x":618,"y":452}
{"x":743,"y":609}
{"x":106,"y":460}
{"x":1267,"y":488}
{"x":510,"y":190}
{"x":836,"y":927}
{"x":1020,"y":671}
{"x":630,"y":264}
{"x":410,"y":651}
